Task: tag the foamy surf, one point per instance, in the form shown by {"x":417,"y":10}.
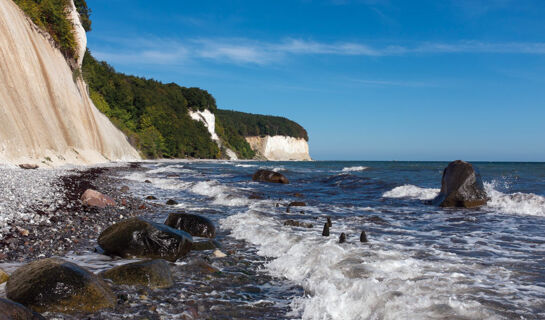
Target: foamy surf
{"x":355,"y":168}
{"x":412,"y":192}
{"x":353,"y":280}
{"x":515,"y":203}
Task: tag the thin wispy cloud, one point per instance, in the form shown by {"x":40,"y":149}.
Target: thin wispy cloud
{"x":246,"y":51}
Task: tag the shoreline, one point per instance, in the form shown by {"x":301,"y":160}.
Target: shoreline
{"x":59,"y":222}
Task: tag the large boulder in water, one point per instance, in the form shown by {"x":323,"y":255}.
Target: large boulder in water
{"x":461,"y":186}
{"x":150,"y":273}
{"x":269,"y":176}
{"x":193,"y":224}
{"x":56,"y":285}
{"x":10,"y":310}
{"x":137,"y":237}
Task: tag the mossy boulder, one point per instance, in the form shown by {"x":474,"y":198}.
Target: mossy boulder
{"x":3,"y":276}
{"x":56,"y":285}
{"x":193,"y":224}
{"x":269,"y":176}
{"x":137,"y":237}
{"x":150,"y":273}
{"x":10,"y":310}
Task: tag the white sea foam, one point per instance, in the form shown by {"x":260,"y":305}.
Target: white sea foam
{"x":173,"y":168}
{"x":355,"y":281}
{"x":162,"y":183}
{"x":221,"y":194}
{"x":411,"y":192}
{"x":244,"y":165}
{"x":515,"y":203}
{"x":356,"y":168}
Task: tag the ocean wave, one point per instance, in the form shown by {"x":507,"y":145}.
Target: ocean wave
{"x":356,"y":168}
{"x":243,"y":165}
{"x":515,"y":203}
{"x":412,"y":192}
{"x":162,"y":183}
{"x":342,"y":284}
{"x":221,"y":194}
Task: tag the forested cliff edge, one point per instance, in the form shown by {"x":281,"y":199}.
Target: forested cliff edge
{"x":153,"y":115}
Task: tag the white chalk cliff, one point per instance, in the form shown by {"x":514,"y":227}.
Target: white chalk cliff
{"x":209,"y":121}
{"x":280,"y":148}
{"x":46,"y":114}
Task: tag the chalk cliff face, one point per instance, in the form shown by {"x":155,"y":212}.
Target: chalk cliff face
{"x":209,"y":121}
{"x":46,"y":114}
{"x":278,"y":148}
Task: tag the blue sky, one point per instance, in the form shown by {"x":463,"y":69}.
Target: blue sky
{"x":368,"y":79}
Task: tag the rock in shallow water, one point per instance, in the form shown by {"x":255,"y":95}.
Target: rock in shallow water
{"x":10,"y":310}
{"x":461,"y":186}
{"x":269,"y":176}
{"x":56,"y":285}
{"x":137,"y":237}
{"x":193,"y":224}
{"x":151,"y":273}
{"x":295,"y":223}
{"x":205,"y":245}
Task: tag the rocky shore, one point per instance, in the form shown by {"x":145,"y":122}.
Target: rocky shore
{"x":50,"y":238}
{"x":41,"y":214}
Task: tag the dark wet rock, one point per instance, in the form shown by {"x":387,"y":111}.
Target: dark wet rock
{"x":199,"y":265}
{"x":256,"y":196}
{"x":150,"y":273}
{"x":3,"y":276}
{"x":28,"y":166}
{"x":56,"y":285}
{"x":10,"y":310}
{"x":193,"y":224}
{"x":171,"y":202}
{"x":151,"y":198}
{"x":297,"y":204}
{"x":295,"y":223}
{"x":205,"y":245}
{"x":329,"y":224}
{"x":173,"y":175}
{"x":269,"y":176}
{"x":93,"y":198}
{"x":461,"y":186}
{"x":342,"y":238}
{"x":137,"y":237}
{"x":325,"y":231}
{"x":124,"y":189}
{"x":376,"y":219}
{"x":147,"y":181}
{"x":363,"y":237}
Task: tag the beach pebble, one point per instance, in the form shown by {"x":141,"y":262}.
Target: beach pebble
{"x":218,"y":254}
{"x":93,"y":198}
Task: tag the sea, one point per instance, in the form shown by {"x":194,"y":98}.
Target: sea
{"x":420,"y":261}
